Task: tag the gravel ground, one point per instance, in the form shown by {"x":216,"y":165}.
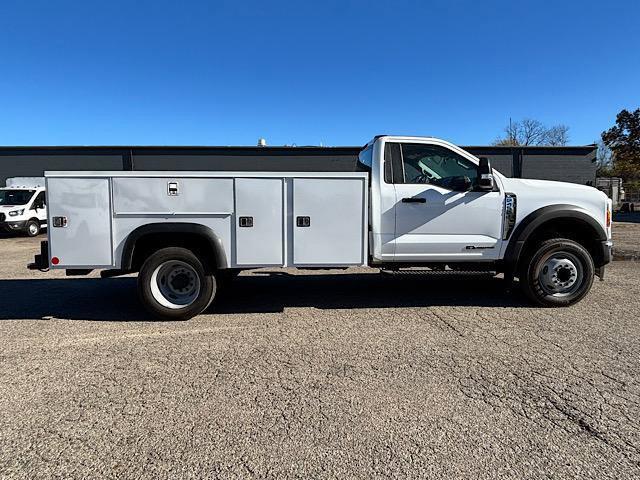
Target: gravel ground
{"x":322,"y":375}
{"x":626,"y":237}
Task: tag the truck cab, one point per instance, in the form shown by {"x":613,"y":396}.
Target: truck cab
{"x":23,"y":207}
{"x":434,"y":204}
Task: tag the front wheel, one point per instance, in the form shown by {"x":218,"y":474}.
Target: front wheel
{"x":558,"y":273}
{"x":173,"y":284}
{"x":33,"y":228}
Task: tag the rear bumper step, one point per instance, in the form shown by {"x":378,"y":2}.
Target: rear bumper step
{"x":41,"y":260}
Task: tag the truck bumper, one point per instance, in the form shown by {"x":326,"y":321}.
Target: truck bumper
{"x":607,"y":255}
{"x":16,"y":226}
{"x":41,"y":260}
{"x":607,"y":249}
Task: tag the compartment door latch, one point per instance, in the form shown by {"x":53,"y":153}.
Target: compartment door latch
{"x":172,"y":189}
{"x":303,"y":221}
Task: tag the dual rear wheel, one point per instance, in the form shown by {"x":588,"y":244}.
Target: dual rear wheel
{"x":173,"y":284}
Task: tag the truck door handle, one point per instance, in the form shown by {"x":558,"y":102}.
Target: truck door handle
{"x":414,"y":200}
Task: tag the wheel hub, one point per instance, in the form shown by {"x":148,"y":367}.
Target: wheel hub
{"x":175,"y":284}
{"x":560,"y":274}
{"x":180,"y":280}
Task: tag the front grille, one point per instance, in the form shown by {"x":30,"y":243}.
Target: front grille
{"x":2,"y":217}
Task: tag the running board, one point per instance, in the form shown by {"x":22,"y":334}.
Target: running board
{"x":438,"y":273}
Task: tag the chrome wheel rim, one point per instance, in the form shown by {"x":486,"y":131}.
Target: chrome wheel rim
{"x":175,"y":284}
{"x":560,"y":274}
{"x":33,"y":228}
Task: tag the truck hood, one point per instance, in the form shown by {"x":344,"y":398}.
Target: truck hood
{"x":535,"y":194}
{"x":550,"y":188}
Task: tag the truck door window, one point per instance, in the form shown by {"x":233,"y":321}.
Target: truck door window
{"x":392,"y":163}
{"x":436,"y":165}
{"x":39,"y":202}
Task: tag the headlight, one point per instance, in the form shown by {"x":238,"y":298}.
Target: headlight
{"x":15,"y":213}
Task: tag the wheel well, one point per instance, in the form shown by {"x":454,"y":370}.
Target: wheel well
{"x":566,"y":227}
{"x":147,"y":244}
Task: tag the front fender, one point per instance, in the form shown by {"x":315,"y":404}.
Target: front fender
{"x":537,"y":218}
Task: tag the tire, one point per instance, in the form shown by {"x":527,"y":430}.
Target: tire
{"x":173,"y":284}
{"x":32,"y":228}
{"x":559,"y":273}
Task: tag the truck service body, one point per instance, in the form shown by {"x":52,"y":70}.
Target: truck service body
{"x":417,"y":201}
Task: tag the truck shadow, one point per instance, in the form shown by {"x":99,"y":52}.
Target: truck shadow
{"x":265,"y":292}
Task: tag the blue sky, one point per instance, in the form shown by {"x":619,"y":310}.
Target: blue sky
{"x":153,"y":72}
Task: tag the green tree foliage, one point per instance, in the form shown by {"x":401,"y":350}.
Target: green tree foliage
{"x":623,"y":139}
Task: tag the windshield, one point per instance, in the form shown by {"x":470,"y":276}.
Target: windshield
{"x":15,"y":197}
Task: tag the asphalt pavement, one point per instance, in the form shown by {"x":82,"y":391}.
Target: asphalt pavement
{"x":350,"y":374}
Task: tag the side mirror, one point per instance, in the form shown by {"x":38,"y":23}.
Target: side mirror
{"x":485,"y":175}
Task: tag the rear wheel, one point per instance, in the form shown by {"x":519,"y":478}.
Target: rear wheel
{"x":558,"y":273}
{"x":33,"y":228}
{"x":173,"y":284}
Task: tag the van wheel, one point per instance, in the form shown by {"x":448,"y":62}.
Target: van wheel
{"x":33,"y":228}
{"x":559,"y":273}
{"x":173,"y":284}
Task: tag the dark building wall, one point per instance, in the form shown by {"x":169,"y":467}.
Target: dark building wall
{"x":503,"y":162}
{"x":572,"y":164}
{"x":35,"y":165}
{"x":574,"y":169}
{"x":565,"y":164}
{"x":244,"y":163}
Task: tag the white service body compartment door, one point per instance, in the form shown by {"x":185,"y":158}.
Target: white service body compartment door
{"x":329,"y":221}
{"x":172,"y":196}
{"x":86,"y":239}
{"x":259,"y":221}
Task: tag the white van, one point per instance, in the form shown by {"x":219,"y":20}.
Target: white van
{"x":23,"y":206}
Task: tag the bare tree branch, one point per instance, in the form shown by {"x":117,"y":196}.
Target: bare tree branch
{"x":533,"y":132}
{"x":558,"y":135}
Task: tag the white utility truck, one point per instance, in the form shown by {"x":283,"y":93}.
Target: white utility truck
{"x":23,"y":207}
{"x":416,"y":202}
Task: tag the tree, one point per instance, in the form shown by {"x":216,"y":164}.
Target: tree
{"x":558,"y":135}
{"x":623,"y":139}
{"x":604,"y":160}
{"x":533,"y":132}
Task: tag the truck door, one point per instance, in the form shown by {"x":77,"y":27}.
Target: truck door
{"x":329,"y":221}
{"x":259,"y":221}
{"x":83,"y":239}
{"x":439,"y":214}
{"x":39,"y":208}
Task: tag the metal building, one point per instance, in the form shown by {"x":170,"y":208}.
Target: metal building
{"x":569,"y":164}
